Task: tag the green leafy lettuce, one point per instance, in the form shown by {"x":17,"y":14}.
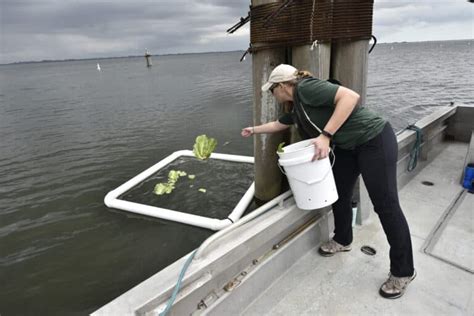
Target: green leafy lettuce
{"x":204,"y":146}
{"x":168,"y":187}
{"x":280,"y":147}
{"x":163,"y":188}
{"x":175,"y":174}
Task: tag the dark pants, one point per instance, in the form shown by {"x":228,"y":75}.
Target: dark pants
{"x":376,"y":160}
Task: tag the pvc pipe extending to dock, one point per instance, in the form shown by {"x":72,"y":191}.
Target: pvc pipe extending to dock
{"x":256,"y":213}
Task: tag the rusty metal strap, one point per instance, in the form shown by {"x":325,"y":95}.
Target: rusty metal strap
{"x":332,"y":20}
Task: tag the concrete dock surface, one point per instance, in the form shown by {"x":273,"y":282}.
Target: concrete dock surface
{"x":440,"y":217}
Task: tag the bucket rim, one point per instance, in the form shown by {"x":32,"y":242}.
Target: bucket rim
{"x":308,"y":141}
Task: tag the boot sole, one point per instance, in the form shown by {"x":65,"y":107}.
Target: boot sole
{"x":330,"y":254}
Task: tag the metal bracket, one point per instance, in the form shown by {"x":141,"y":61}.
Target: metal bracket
{"x":207,"y":301}
{"x":232,"y":284}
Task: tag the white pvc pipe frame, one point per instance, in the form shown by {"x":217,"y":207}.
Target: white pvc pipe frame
{"x":111,"y":199}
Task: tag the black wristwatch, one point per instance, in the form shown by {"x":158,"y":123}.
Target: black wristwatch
{"x":327,"y":134}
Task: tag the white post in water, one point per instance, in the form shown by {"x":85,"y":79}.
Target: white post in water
{"x":268,"y":178}
{"x":148,"y":58}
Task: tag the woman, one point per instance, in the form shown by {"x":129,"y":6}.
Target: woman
{"x":364,"y":144}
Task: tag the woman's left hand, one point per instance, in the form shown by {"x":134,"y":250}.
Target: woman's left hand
{"x":321,"y":147}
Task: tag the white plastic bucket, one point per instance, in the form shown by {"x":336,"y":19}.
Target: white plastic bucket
{"x":311,"y":182}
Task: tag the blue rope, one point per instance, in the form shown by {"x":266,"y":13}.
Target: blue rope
{"x":415,"y":151}
{"x":178,"y":284}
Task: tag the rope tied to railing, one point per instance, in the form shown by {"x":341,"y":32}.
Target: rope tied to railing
{"x":415,"y":151}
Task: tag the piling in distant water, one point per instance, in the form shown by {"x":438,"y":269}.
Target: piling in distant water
{"x":148,"y":58}
{"x":327,"y":37}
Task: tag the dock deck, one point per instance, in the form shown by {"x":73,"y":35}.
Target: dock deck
{"x":441,"y":223}
{"x":269,"y":264}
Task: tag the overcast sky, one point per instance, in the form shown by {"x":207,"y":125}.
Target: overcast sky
{"x":63,"y":29}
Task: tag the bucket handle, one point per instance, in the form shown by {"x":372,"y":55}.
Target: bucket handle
{"x":281,"y":169}
{"x":312,"y":181}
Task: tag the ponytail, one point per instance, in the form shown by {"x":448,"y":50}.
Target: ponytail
{"x":302,"y":74}
{"x":299,"y":74}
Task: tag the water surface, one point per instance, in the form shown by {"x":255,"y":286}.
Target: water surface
{"x":69,"y":134}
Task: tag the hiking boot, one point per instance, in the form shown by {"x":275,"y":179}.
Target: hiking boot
{"x":395,"y":287}
{"x":331,"y":247}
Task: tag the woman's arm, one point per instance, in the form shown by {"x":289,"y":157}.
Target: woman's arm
{"x":272,"y":127}
{"x":344,"y":102}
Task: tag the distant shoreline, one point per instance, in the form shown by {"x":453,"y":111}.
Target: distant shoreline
{"x":192,"y":53}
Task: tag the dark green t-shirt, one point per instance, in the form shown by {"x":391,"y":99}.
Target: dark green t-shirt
{"x":317,"y":98}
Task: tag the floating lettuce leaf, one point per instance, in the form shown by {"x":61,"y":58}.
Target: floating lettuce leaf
{"x":174,"y":175}
{"x":163,"y":188}
{"x":167,"y":188}
{"x":202,"y":190}
{"x":280,"y":147}
{"x":204,"y":146}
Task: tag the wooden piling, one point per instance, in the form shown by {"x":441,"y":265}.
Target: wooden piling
{"x":268,"y":178}
{"x":317,"y":61}
{"x":148,"y":58}
{"x":349,"y":65}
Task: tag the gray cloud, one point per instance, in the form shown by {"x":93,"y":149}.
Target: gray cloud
{"x":401,"y":13}
{"x":423,"y":20}
{"x":54,"y":29}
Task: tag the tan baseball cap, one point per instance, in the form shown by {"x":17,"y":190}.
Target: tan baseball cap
{"x":281,"y":73}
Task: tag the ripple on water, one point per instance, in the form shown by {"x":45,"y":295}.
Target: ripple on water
{"x":81,"y":134}
{"x":34,"y":223}
{"x":25,"y":254}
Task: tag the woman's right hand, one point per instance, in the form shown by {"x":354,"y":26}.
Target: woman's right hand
{"x":246,"y":132}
